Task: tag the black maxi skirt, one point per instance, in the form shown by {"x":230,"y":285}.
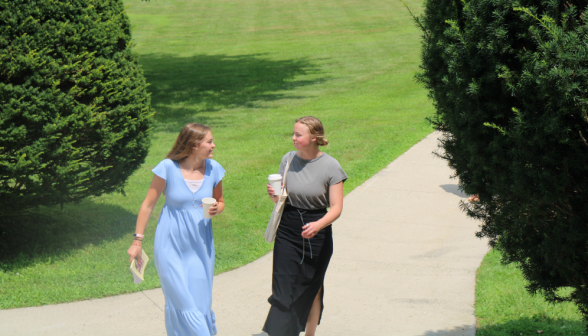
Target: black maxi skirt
{"x":299,"y":269}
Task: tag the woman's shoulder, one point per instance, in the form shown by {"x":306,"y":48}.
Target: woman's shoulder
{"x":214,"y":164}
{"x":331,"y":162}
{"x":334,"y":170}
{"x":164,"y":168}
{"x":167,"y":162}
{"x":214,"y":168}
{"x":287,"y":156}
{"x":330,"y":159}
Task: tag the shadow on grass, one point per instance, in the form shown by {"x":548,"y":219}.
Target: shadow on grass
{"x":51,"y":233}
{"x":534,"y":326}
{"x":181,"y":87}
{"x":184,"y":86}
{"x":520,"y":326}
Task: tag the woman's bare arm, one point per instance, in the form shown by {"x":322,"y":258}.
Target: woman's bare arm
{"x":217,"y":194}
{"x":155,"y":190}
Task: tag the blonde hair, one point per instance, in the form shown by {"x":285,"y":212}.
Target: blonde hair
{"x":316,"y":129}
{"x":190,"y":136}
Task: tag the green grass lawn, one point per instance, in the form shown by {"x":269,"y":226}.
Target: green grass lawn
{"x":505,"y":308}
{"x":247,"y":68}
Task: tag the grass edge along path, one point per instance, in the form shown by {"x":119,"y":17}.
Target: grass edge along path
{"x":505,"y":308}
{"x":247,"y":68}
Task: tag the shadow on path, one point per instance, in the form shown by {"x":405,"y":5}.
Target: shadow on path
{"x":183,"y":86}
{"x":457,"y":331}
{"x":453,"y":189}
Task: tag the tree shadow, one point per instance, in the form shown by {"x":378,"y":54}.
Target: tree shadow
{"x":184,"y":86}
{"x":521,"y":326}
{"x":464,"y":330}
{"x":535,"y":326}
{"x":180,"y":87}
{"x":453,"y":189}
{"x":52,"y":233}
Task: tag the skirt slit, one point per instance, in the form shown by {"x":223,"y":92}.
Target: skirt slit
{"x":299,"y":268}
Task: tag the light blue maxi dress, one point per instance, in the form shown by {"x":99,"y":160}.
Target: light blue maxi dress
{"x":184,"y":251}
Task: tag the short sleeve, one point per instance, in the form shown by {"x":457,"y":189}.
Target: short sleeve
{"x":336,"y":174}
{"x":161,"y":169}
{"x":217,"y":171}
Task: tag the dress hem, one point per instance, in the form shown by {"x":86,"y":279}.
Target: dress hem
{"x":195,"y":315}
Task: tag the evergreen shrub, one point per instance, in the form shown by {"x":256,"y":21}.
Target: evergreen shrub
{"x":509,"y":81}
{"x":75,"y":114}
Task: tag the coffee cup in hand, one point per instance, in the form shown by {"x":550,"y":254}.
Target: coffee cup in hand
{"x":275,"y":180}
{"x":206,"y":204}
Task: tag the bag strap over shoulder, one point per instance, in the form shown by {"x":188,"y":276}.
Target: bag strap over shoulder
{"x":287,"y":168}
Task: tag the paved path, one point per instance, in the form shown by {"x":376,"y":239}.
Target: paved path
{"x":404,"y":264}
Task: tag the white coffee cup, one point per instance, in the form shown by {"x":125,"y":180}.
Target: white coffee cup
{"x":207,"y":202}
{"x":276,"y":182}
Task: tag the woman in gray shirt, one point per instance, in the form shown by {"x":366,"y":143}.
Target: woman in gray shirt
{"x":304,"y":240}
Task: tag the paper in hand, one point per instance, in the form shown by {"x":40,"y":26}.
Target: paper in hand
{"x":138,"y":268}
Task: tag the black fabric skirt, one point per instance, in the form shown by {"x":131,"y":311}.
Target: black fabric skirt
{"x":299,"y":269}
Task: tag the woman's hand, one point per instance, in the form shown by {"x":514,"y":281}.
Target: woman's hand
{"x":336,"y":199}
{"x":310,"y":230}
{"x":270,"y":192}
{"x":134,"y":253}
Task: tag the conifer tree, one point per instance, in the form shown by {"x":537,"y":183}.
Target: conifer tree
{"x":509,"y":81}
{"x":74,"y":110}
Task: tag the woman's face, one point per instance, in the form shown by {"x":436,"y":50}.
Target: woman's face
{"x":205,"y":148}
{"x":301,"y":136}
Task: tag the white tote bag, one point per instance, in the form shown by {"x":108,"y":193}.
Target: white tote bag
{"x":272,"y":225}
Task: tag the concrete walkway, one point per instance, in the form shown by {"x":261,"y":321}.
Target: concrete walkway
{"x":405,"y":263}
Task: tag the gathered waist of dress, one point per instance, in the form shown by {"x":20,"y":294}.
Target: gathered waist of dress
{"x":188,"y":209}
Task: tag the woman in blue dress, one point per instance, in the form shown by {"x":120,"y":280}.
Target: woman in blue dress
{"x":184,"y":248}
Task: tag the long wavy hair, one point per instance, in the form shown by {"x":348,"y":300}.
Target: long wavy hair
{"x":190,"y":136}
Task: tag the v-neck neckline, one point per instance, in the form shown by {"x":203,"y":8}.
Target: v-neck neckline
{"x":184,"y":180}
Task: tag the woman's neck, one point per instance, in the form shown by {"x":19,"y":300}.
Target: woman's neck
{"x":191,"y":164}
{"x":309,"y":153}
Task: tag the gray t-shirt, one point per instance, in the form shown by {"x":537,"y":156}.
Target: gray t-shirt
{"x":308,"y":181}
